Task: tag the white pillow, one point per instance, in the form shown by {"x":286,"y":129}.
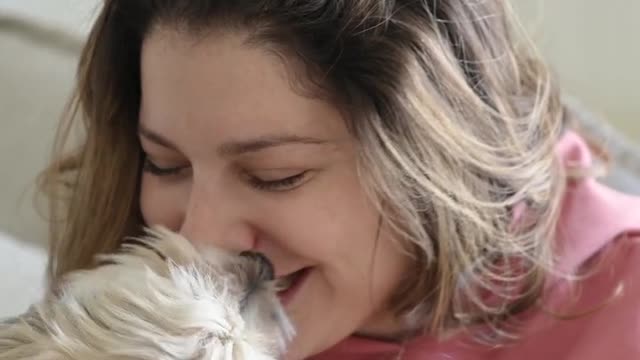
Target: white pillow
{"x":22,"y":275}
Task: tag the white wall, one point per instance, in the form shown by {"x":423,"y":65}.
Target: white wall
{"x":594,"y":46}
{"x":71,"y":15}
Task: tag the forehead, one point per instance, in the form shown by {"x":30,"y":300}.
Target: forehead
{"x":219,"y":80}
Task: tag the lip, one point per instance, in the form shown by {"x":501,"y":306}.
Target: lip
{"x":287,"y":296}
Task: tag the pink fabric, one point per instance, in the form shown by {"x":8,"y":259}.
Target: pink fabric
{"x":598,"y":225}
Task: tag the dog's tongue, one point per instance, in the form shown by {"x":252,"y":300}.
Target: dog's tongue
{"x":285,"y":282}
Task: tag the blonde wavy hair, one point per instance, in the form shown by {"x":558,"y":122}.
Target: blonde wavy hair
{"x":455,"y":115}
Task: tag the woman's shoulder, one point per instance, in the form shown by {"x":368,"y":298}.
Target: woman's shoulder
{"x":599,"y":317}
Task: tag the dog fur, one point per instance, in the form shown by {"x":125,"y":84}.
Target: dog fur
{"x":158,"y":298}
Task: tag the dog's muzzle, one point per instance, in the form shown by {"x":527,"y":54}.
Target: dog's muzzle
{"x":266,"y":271}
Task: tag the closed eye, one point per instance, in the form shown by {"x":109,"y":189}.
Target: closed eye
{"x":150,"y":167}
{"x":283,"y":184}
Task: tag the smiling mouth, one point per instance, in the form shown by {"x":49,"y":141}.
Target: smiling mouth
{"x":287,"y":285}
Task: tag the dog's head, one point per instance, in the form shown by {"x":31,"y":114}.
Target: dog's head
{"x":157,"y":298}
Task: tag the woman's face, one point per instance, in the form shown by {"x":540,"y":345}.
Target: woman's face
{"x":237,"y":159}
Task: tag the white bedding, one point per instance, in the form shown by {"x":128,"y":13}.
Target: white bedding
{"x":22,"y":269}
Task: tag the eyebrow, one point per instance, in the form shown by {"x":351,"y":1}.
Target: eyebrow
{"x":241,"y":146}
{"x":155,"y":138}
{"x":264,"y":142}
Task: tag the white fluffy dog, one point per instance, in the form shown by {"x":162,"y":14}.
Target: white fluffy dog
{"x":159,"y":298}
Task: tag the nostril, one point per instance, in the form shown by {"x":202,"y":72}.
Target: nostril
{"x":266,"y":270}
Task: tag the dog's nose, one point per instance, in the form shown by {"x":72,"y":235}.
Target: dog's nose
{"x":266,"y":271}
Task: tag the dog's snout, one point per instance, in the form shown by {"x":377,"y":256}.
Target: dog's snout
{"x":266,"y":271}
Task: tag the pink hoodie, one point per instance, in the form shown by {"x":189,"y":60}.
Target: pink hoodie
{"x":593,"y":217}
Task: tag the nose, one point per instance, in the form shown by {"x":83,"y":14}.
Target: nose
{"x":216,"y":218}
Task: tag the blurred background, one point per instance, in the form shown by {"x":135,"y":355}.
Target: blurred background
{"x":593,"y":48}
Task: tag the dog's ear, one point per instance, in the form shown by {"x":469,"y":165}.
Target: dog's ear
{"x":10,"y":342}
{"x":167,"y":244}
{"x":157,"y":247}
{"x":18,"y":336}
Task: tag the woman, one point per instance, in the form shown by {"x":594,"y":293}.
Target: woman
{"x":407,"y":166}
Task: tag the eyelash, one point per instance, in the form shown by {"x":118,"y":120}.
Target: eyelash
{"x":283,"y":184}
{"x":156,"y":170}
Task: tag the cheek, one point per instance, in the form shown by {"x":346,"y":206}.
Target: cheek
{"x":160,"y":203}
{"x":330,"y":223}
{"x":390,"y":266}
{"x":335,"y":227}
{"x":358,"y":269}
